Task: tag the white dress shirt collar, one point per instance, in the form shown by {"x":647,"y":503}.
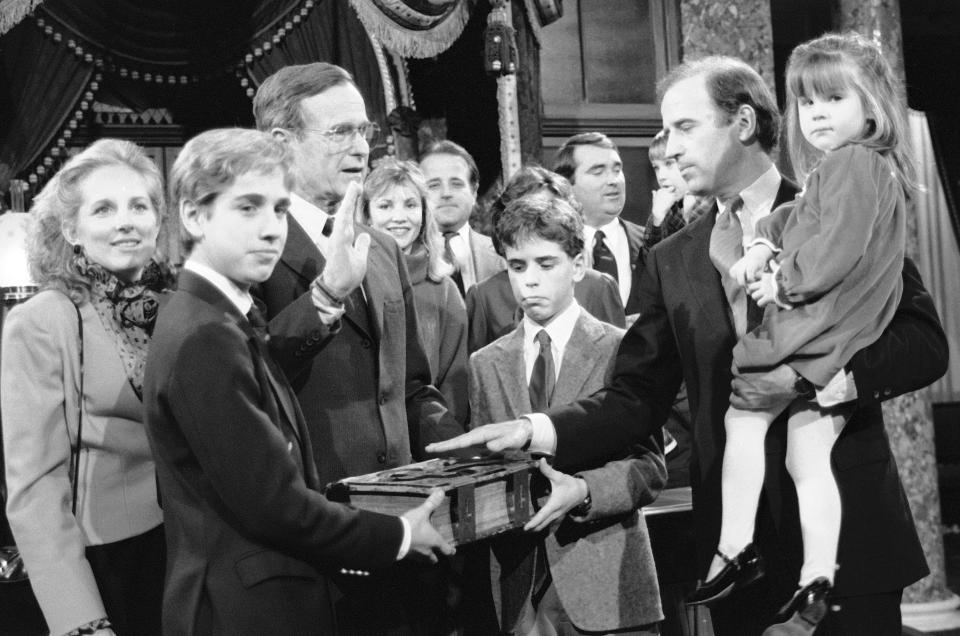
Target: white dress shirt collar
{"x":240,"y":298}
{"x":758,"y":198}
{"x":311,"y":218}
{"x":559,"y":329}
{"x":615,"y":236}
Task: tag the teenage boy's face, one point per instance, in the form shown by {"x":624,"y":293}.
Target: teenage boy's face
{"x":668,"y":176}
{"x":244,"y":230}
{"x":542,"y":276}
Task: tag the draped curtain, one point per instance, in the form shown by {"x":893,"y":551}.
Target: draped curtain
{"x":939,"y":253}
{"x":209,"y":51}
{"x":41,"y":85}
{"x":331,"y":34}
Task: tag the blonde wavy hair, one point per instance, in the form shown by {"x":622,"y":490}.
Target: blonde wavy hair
{"x":51,"y":257}
{"x":392,"y":173}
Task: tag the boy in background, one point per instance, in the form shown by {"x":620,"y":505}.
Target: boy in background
{"x":672,"y":207}
{"x":585,"y":564}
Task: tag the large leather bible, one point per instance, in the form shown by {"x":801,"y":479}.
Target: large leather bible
{"x":483,"y":496}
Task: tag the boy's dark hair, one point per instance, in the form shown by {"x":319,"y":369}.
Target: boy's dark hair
{"x":565,"y":165}
{"x":531,"y":179}
{"x":658,"y":147}
{"x":540,"y":216}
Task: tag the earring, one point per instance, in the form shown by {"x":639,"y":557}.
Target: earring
{"x":77,"y":249}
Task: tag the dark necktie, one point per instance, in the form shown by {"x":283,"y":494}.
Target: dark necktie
{"x":327,"y":226}
{"x":256,"y":319}
{"x":544,"y":375}
{"x":603,"y":260}
{"x":451,"y":257}
{"x":726,"y":248}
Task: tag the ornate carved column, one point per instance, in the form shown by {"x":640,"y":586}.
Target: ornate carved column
{"x":740,"y":28}
{"x":928,"y":603}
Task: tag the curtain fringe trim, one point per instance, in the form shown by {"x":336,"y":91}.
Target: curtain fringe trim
{"x":410,"y":42}
{"x":12,"y":12}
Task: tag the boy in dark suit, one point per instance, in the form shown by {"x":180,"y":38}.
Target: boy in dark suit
{"x":250,"y":537}
{"x":593,"y":570}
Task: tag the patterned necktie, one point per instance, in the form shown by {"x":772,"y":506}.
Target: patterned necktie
{"x":451,"y":256}
{"x":544,"y":375}
{"x":603,"y":260}
{"x":726,"y":248}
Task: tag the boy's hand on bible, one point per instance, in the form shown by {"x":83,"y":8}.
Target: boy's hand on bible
{"x":566,"y":492}
{"x":425,"y":542}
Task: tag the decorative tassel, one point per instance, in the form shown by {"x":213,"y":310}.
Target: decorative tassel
{"x":407,"y":32}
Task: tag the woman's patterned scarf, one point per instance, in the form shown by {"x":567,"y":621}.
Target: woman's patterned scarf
{"x":127,"y":311}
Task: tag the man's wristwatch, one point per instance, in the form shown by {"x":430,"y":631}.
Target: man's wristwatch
{"x":583,"y":508}
{"x":804,"y":387}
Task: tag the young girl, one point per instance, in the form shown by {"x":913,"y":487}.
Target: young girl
{"x":835,"y":284}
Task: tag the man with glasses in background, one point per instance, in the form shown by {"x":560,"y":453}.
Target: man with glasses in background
{"x":366,"y":397}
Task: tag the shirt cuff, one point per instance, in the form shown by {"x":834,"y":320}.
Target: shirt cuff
{"x":762,"y":241}
{"x":841,"y":388}
{"x":544,"y":437}
{"x":329,"y":315}
{"x":407,"y":539}
{"x":329,"y":309}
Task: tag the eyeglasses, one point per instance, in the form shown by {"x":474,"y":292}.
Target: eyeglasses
{"x":342,"y":134}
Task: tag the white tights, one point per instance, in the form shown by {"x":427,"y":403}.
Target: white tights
{"x":811,"y":434}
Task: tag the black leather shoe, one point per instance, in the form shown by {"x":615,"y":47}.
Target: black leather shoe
{"x":739,"y":572}
{"x":804,"y":611}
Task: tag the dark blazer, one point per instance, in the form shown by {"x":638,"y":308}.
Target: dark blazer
{"x":492,"y":311}
{"x":249,"y":534}
{"x":635,"y":236}
{"x":367,"y":396}
{"x":603,"y":567}
{"x":685,"y":333}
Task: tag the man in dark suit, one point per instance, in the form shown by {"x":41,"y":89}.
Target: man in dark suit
{"x":452,"y":182}
{"x":591,"y":162}
{"x":367,"y":396}
{"x":723,"y":124}
{"x":249,"y":535}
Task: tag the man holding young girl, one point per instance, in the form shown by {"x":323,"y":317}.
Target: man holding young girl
{"x":723,"y":126}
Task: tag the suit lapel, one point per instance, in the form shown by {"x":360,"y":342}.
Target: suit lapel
{"x":700,"y":274}
{"x":634,"y":242}
{"x":300,"y":254}
{"x":511,"y":373}
{"x":371,"y":318}
{"x":203,"y":289}
{"x":577,"y":365}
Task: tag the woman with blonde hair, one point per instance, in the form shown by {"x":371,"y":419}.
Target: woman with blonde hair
{"x":394,"y":202}
{"x":82,"y":499}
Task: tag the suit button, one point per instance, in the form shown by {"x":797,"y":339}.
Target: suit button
{"x":382,"y":458}
{"x":383,"y":399}
{"x":876,"y":395}
{"x":887,"y":392}
{"x":365,"y":343}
